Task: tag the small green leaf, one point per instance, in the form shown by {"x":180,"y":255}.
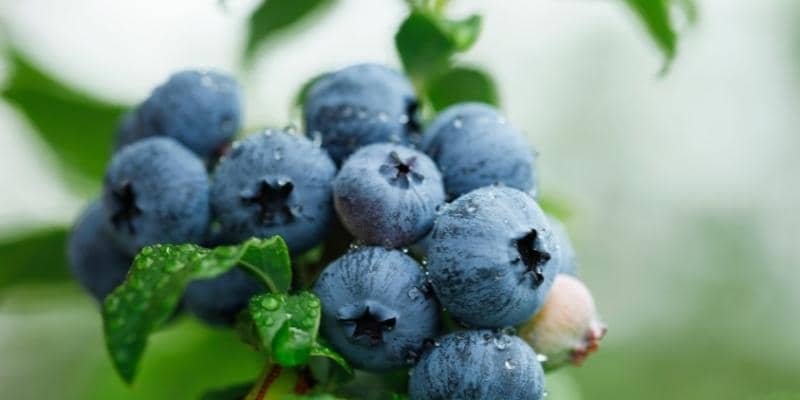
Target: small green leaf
{"x":655,"y":15}
{"x":424,"y":47}
{"x":462,"y":84}
{"x":78,"y":127}
{"x":235,"y":392}
{"x":34,"y":258}
{"x":287,"y":325}
{"x":272,"y":16}
{"x":320,"y":350}
{"x":464,"y":33}
{"x":157,"y":279}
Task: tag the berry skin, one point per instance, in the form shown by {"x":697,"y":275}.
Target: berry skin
{"x":218,"y":301}
{"x":95,"y":261}
{"x":474,"y":365}
{"x":376,"y":308}
{"x":491,"y":257}
{"x":199,"y":109}
{"x":386,"y":194}
{"x":274,"y":183}
{"x":360,"y":105}
{"x":474,"y":147}
{"x":156,"y":191}
{"x":566,"y":329}
{"x":569,"y":261}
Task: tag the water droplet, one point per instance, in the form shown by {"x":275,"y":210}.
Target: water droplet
{"x":501,"y":342}
{"x":471,"y":209}
{"x":383,"y":117}
{"x":509,"y":330}
{"x":267,"y":132}
{"x":270,"y":303}
{"x":541,"y":358}
{"x":361,"y":114}
{"x":405,"y":250}
{"x":268,"y":321}
{"x":403,"y":119}
{"x":277,"y":154}
{"x":410,"y":371}
{"x":424,"y":262}
{"x":457,"y":123}
{"x":501,"y":120}
{"x":291,"y":129}
{"x":510,"y":364}
{"x":414,"y":293}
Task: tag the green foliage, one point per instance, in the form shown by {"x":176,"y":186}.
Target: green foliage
{"x":426,"y":42}
{"x":287,"y":327}
{"x":235,"y":392}
{"x":78,"y":127}
{"x":273,"y":16}
{"x":158,"y":278}
{"x":655,"y":15}
{"x":462,"y":84}
{"x":34,"y":258}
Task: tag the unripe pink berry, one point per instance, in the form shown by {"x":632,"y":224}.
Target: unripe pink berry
{"x":567,"y":328}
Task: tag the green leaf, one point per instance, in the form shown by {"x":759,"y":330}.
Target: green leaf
{"x":273,"y":16}
{"x":236,"y":392}
{"x":655,"y":15}
{"x":287,"y":327}
{"x":462,"y":84}
{"x":424,"y":47}
{"x":34,"y":258}
{"x":427,"y":41}
{"x":320,"y":350}
{"x":464,"y":33}
{"x":78,"y":127}
{"x":157,"y":279}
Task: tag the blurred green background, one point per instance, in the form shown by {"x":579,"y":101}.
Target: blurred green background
{"x":683,"y":187}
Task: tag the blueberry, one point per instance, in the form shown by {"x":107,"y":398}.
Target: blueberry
{"x":475,"y":365}
{"x":569,"y":261}
{"x":491,"y":257}
{"x":156,"y":191}
{"x":95,"y":261}
{"x":218,"y":301}
{"x":376,"y":308}
{"x":387,"y":194}
{"x":474,"y":146}
{"x":200,"y":109}
{"x":360,"y":105}
{"x":274,"y":183}
{"x":567,"y":328}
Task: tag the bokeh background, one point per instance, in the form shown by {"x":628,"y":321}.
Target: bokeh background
{"x":683,"y":188}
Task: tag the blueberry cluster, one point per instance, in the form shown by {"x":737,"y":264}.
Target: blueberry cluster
{"x":461,"y":194}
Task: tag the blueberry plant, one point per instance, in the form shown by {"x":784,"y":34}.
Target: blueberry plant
{"x":396,"y":246}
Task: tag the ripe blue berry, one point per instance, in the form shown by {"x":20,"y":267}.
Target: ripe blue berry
{"x":474,"y":146}
{"x":376,"y":308}
{"x":274,"y":183}
{"x":95,"y":261}
{"x":387,"y":194}
{"x":569,"y":261}
{"x":491,"y":257}
{"x":360,"y":105}
{"x":200,"y":109}
{"x":475,"y":365}
{"x":156,"y":191}
{"x":217,"y":301}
